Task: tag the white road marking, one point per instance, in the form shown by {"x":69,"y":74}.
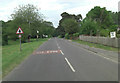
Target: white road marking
{"x":58,"y":47}
{"x":94,"y":53}
{"x":57,"y":44}
{"x":101,"y":56}
{"x":70,"y":65}
{"x":61,"y":52}
{"x":47,"y":51}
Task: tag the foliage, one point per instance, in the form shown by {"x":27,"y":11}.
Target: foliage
{"x":4,"y":33}
{"x":69,"y":23}
{"x":70,"y":26}
{"x":89,"y":27}
{"x":59,"y":36}
{"x":75,"y":35}
{"x":67,"y":36}
{"x":29,"y":18}
{"x":99,"y":22}
{"x":104,"y":32}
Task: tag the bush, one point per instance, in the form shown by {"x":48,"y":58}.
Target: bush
{"x":67,"y":36}
{"x":118,"y":35}
{"x":59,"y":36}
{"x":76,"y":35}
{"x":4,"y":39}
{"x":104,"y":32}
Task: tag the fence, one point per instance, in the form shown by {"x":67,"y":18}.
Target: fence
{"x":113,"y":42}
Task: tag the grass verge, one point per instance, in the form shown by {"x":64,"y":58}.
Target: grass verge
{"x":97,"y":45}
{"x":11,"y":55}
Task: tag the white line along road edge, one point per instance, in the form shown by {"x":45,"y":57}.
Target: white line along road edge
{"x":70,"y":65}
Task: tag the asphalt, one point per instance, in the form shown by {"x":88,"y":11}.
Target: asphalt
{"x":72,"y":63}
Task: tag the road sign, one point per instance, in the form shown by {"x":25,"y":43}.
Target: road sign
{"x":37,"y":31}
{"x":19,"y":31}
{"x":19,"y":36}
{"x":112,"y":34}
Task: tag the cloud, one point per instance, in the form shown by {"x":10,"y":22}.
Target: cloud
{"x":53,"y":8}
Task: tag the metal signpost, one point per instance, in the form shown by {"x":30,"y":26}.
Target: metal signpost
{"x":37,"y":34}
{"x":19,"y":31}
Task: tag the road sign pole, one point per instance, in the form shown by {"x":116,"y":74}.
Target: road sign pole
{"x":20,"y":45}
{"x":19,"y":31}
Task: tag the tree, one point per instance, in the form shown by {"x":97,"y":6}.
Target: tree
{"x":4,"y":33}
{"x":99,"y":19}
{"x":89,"y":27}
{"x":28,"y":18}
{"x":69,"y":23}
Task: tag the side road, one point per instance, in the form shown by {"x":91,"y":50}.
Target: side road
{"x":111,"y":55}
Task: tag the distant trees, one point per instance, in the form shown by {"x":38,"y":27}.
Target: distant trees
{"x":99,"y":22}
{"x":88,"y":27}
{"x":29,"y":18}
{"x":69,"y":24}
{"x":4,"y":33}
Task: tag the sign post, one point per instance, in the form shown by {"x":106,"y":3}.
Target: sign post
{"x":37,"y":34}
{"x":19,"y":31}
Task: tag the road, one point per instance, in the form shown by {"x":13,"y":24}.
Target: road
{"x":61,"y":60}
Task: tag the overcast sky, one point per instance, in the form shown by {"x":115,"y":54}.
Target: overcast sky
{"x":52,"y":9}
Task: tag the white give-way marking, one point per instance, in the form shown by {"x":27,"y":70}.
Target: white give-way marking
{"x":61,"y":52}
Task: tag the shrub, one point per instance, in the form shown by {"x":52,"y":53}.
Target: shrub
{"x":76,"y":35}
{"x":4,"y":39}
{"x":59,"y":36}
{"x":67,"y":36}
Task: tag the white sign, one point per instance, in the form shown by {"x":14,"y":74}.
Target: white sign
{"x":46,"y":35}
{"x":37,"y":31}
{"x":19,"y":31}
{"x":113,"y":34}
{"x":19,"y":36}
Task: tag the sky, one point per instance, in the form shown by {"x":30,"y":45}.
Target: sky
{"x":51,"y":9}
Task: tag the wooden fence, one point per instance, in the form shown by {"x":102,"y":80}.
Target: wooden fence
{"x":113,"y":42}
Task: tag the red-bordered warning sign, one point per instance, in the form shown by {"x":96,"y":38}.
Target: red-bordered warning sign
{"x":19,"y":31}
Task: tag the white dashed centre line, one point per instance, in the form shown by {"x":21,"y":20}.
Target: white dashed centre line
{"x":58,"y":47}
{"x":70,"y":65}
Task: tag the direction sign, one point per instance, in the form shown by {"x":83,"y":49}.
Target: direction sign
{"x":113,"y":34}
{"x":19,"y":31}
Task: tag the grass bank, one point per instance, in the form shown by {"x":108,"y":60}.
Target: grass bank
{"x":11,"y":55}
{"x":97,"y":45}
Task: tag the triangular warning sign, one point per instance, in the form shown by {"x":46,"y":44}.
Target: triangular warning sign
{"x":19,"y":31}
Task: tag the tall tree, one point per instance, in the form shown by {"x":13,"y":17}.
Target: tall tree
{"x":69,"y":23}
{"x":29,"y":18}
{"x":103,"y":19}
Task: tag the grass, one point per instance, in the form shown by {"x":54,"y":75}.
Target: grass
{"x":0,"y":62}
{"x":97,"y":45}
{"x":11,"y":55}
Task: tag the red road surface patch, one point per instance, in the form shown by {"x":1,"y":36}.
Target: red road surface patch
{"x":46,"y":52}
